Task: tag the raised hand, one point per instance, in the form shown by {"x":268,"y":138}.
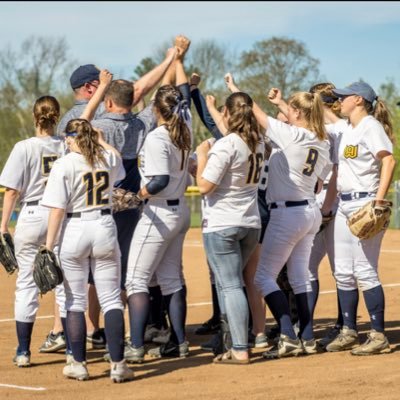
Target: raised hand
{"x":275,"y":96}
{"x":230,"y":83}
{"x":210,"y":101}
{"x":182,"y":43}
{"x":105,"y":77}
{"x":195,"y":79}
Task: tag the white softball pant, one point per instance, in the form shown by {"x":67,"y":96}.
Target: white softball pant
{"x":92,"y":235}
{"x":356,"y":261}
{"x":288,"y":239}
{"x":30,"y":233}
{"x":323,"y":242}
{"x":157,"y":247}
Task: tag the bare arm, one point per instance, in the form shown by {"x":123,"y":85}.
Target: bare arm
{"x":148,"y":81}
{"x":331,"y":193}
{"x":204,"y":185}
{"x":103,"y":143}
{"x":55,"y":219}
{"x":387,"y":169}
{"x":9,"y":200}
{"x":105,"y":80}
{"x":216,"y":115}
{"x":275,"y":97}
{"x":261,"y":116}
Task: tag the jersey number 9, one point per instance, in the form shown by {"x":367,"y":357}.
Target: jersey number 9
{"x":96,"y":183}
{"x":312,"y":159}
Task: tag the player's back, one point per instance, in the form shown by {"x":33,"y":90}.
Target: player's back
{"x":159,"y":156}
{"x":299,"y":159}
{"x":77,"y":187}
{"x":29,"y":165}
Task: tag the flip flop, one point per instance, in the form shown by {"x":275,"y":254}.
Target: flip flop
{"x":229,"y":358}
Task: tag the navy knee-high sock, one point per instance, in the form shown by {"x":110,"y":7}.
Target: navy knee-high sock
{"x":279,"y":307}
{"x":24,"y":334}
{"x":313,"y":295}
{"x":348,"y":303}
{"x":156,"y":311}
{"x":339,"y":321}
{"x":176,"y":306}
{"x":375,"y":302}
{"x":138,"y":304}
{"x":304,"y":303}
{"x":76,"y":328}
{"x":115,"y":329}
{"x":66,"y":336}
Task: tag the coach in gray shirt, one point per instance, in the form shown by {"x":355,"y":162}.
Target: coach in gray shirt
{"x":84,"y":82}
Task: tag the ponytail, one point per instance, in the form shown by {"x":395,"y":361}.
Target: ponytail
{"x":381,"y":113}
{"x":175,"y":112}
{"x":87,"y":141}
{"x":311,"y":108}
{"x":242,"y":120}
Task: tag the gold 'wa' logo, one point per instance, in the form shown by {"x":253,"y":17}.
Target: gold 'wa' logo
{"x":351,"y":151}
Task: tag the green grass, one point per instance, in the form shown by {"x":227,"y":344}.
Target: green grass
{"x":195,"y":220}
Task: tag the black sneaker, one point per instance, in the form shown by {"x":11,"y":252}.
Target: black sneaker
{"x":170,"y":349}
{"x":98,"y":339}
{"x":208,"y":328}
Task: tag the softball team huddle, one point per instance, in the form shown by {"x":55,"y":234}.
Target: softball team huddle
{"x":266,"y":185}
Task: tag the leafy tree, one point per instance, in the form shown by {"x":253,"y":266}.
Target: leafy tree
{"x":277,"y":62}
{"x":40,"y":67}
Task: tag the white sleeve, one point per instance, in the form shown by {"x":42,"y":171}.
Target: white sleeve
{"x":219,"y":160}
{"x":118,"y":170}
{"x":280,"y":133}
{"x":156,"y":156}
{"x":13,"y":172}
{"x":57,"y":192}
{"x":376,"y":140}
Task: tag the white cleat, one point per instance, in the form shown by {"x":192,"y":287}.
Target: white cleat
{"x":120,"y":372}
{"x":76,"y":370}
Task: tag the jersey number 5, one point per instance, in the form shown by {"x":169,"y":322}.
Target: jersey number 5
{"x":96,"y":183}
{"x":255,"y":161}
{"x":312,"y":159}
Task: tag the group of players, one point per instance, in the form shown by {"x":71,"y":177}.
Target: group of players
{"x":266,"y":186}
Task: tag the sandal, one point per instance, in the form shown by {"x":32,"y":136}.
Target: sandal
{"x":229,"y":358}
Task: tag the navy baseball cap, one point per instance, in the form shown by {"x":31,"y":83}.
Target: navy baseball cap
{"x":84,"y":74}
{"x":360,"y":89}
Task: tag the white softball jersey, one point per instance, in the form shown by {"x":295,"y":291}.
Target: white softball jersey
{"x":236,"y":172}
{"x":159,"y":156}
{"x":359,"y":169}
{"x":23,"y":172}
{"x":300,"y":158}
{"x":74,"y":186}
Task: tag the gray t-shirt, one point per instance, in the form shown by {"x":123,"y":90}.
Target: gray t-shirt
{"x":75,"y":112}
{"x":126,"y":132}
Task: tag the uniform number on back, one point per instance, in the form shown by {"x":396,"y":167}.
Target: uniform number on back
{"x":256,"y":162}
{"x":312,"y":159}
{"x":96,"y":183}
{"x":47,"y":163}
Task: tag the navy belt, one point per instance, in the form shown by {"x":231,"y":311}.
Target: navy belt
{"x":169,"y":202}
{"x":107,"y":211}
{"x":354,"y":195}
{"x":32,"y":203}
{"x":289,"y":204}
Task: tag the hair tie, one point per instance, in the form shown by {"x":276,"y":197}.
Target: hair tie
{"x":182,"y":110}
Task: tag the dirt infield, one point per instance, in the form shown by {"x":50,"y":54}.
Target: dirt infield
{"x":320,"y":376}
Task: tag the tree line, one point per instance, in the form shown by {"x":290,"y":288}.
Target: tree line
{"x":42,"y":65}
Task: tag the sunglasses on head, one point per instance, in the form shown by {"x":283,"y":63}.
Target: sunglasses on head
{"x":71,"y":134}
